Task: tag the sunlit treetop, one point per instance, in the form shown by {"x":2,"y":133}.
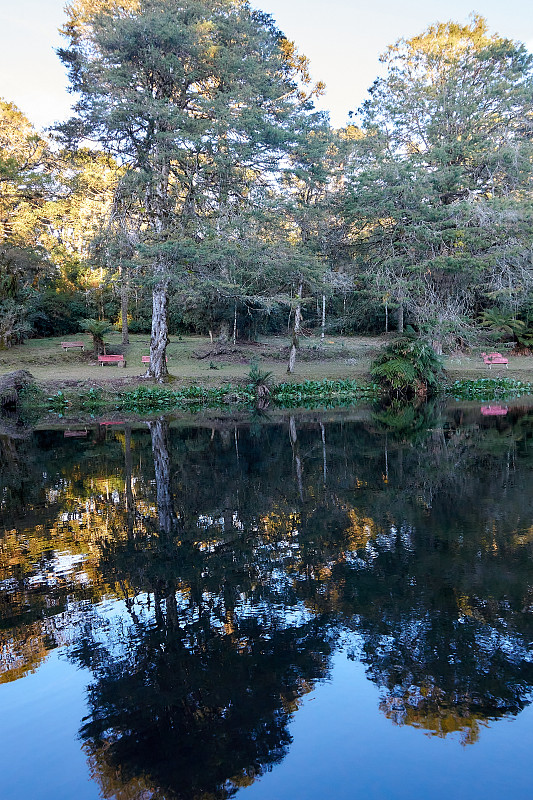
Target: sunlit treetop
{"x":444,"y":40}
{"x":81,"y":13}
{"x":26,"y":163}
{"x":86,"y":17}
{"x":453,"y":83}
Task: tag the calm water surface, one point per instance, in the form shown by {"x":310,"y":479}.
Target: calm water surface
{"x":304,"y":608}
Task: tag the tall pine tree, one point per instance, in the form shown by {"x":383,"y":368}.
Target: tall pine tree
{"x":441,"y":185}
{"x":198,"y":99}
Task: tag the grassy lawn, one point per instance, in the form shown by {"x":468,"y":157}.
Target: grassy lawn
{"x":335,"y":357}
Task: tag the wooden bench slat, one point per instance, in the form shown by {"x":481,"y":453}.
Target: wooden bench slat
{"x":490,"y":362}
{"x":494,"y":358}
{"x":114,"y":359}
{"x":494,"y":411}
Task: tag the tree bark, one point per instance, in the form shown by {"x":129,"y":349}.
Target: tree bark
{"x":98,"y":345}
{"x":157,"y":198}
{"x":296,"y":330}
{"x":400,"y":316}
{"x":223,"y":335}
{"x":323,"y":333}
{"x":124,"y":298}
{"x":159,"y":339}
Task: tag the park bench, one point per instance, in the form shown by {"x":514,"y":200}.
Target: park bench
{"x":494,"y":411}
{"x":495,"y":358}
{"x":68,"y":345}
{"x":146,"y":359}
{"x":118,"y":359}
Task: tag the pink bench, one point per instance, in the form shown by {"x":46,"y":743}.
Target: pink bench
{"x":120,"y":360}
{"x":146,"y":359}
{"x":67,"y":345}
{"x":494,"y":411}
{"x":494,"y":358}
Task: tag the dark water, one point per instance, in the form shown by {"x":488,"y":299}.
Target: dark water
{"x":302,"y":608}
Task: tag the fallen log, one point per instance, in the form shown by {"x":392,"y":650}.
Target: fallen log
{"x":218,"y":351}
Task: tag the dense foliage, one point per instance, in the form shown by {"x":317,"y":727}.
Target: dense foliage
{"x":216,"y":200}
{"x":408,"y":366}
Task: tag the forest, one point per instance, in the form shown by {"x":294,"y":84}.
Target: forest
{"x":196,"y":190}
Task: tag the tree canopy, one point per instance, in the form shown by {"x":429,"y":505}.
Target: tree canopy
{"x":441,"y":181}
{"x":194,"y":171}
{"x":199,"y":101}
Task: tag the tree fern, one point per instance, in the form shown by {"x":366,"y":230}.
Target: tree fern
{"x":408,"y":366}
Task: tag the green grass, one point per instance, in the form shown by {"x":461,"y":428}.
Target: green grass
{"x":333,"y":371}
{"x":333,"y":359}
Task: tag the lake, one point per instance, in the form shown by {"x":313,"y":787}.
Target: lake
{"x":302,"y":606}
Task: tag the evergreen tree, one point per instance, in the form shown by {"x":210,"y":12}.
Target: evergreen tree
{"x":197,"y":99}
{"x":440,"y":188}
{"x":26,"y":174}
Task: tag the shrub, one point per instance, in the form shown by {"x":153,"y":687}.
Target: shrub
{"x":259,"y":378}
{"x":408,"y":366}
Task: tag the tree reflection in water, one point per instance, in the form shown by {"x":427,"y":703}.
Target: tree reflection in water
{"x":244,"y":556}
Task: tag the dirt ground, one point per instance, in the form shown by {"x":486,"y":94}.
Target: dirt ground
{"x":195,"y":360}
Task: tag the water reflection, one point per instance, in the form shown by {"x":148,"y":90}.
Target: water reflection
{"x":234,"y":560}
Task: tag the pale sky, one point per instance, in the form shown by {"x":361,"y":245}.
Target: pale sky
{"x":342,"y":38}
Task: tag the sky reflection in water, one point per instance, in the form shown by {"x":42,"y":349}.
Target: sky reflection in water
{"x":294,"y":609}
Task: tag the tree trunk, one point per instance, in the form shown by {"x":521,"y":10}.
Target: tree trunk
{"x":98,"y":345}
{"x":235,"y":325}
{"x":323,"y":333}
{"x":400,"y":316}
{"x":157,"y":207}
{"x":223,"y":336}
{"x":296,"y":330}
{"x":159,"y":340}
{"x":124,"y":297}
{"x":165,"y":508}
